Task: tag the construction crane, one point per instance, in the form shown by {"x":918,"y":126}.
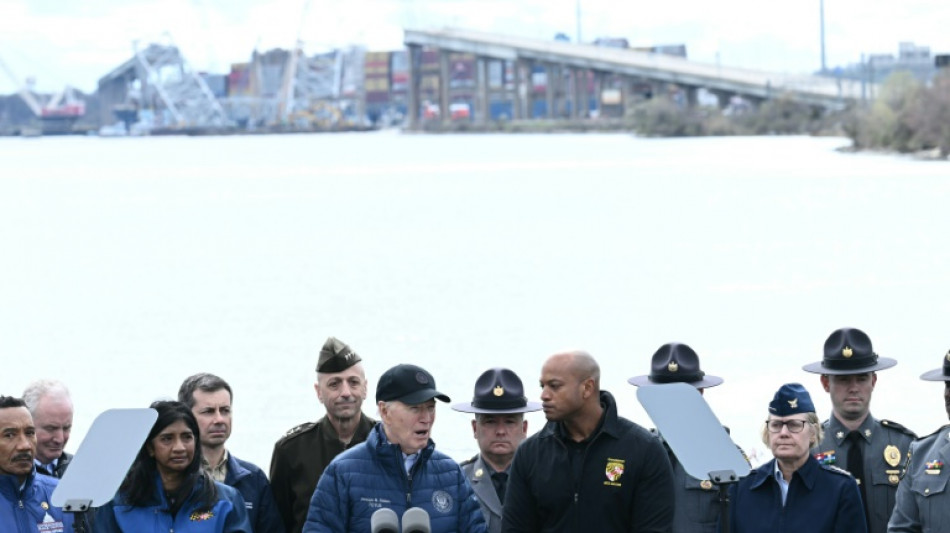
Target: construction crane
{"x":58,"y":113}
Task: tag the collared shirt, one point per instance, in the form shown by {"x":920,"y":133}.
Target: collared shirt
{"x":782,"y":484}
{"x":49,"y":469}
{"x":409,"y":460}
{"x":219,"y":471}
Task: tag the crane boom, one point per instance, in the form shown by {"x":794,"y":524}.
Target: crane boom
{"x":24,"y":92}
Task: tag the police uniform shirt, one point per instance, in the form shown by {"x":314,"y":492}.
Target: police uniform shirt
{"x":923,"y":501}
{"x":886,"y":445}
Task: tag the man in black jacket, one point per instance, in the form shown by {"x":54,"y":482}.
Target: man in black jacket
{"x":588,"y":469}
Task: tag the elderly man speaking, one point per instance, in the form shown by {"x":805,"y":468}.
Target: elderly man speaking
{"x":397,"y":468}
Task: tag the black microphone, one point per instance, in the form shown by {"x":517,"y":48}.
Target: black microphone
{"x":416,"y":520}
{"x":384,"y":521}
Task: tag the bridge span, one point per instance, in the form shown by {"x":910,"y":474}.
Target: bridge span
{"x":573,"y":62}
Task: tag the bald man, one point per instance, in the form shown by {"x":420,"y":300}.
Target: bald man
{"x":588,"y":469}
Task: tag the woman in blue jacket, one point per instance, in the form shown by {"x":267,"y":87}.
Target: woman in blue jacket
{"x":167,"y":490}
{"x":794,"y":493}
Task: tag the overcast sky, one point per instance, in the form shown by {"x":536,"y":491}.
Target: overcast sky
{"x":59,"y":42}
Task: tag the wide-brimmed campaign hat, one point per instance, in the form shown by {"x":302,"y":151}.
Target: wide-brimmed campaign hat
{"x":675,"y":363}
{"x":939,"y":374}
{"x":498,"y":391}
{"x":849,"y":351}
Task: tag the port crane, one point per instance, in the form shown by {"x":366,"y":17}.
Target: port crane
{"x":58,"y":113}
{"x":65,"y":103}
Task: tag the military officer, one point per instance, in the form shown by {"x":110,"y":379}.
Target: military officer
{"x":923,"y":501}
{"x":873,"y":450}
{"x":696,"y":501}
{"x":305,"y":451}
{"x":499,"y":426}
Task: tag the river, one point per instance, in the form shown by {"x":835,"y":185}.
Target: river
{"x":131,"y":263}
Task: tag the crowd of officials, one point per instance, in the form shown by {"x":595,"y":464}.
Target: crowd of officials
{"x":588,"y":469}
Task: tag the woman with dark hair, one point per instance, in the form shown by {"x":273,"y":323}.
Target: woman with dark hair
{"x":167,"y":490}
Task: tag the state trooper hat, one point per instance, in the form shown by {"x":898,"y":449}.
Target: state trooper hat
{"x":791,"y":399}
{"x":849,"y":351}
{"x":408,"y":384}
{"x":676,"y":363}
{"x":336,"y":356}
{"x":498,"y":391}
{"x":940,"y":374}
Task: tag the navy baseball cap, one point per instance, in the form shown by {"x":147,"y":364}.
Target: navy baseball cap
{"x":408,"y":384}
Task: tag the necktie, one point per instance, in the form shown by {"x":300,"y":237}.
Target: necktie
{"x":856,"y":465}
{"x":500,"y":481}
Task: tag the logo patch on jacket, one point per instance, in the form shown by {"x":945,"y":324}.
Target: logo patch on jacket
{"x":442,"y":501}
{"x":614,"y":471}
{"x":201,"y":516}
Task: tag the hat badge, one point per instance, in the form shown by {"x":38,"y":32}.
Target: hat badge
{"x":421,"y":378}
{"x":673,"y":367}
{"x":847,"y":352}
{"x":793,"y":403}
{"x":498,"y":391}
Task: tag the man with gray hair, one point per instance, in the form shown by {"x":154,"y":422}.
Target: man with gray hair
{"x":302,"y":454}
{"x":209,"y":398}
{"x":51,"y":407}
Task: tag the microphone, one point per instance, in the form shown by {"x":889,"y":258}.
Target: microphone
{"x":416,"y":520}
{"x":384,"y":521}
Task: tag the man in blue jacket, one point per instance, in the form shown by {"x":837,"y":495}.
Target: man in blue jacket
{"x":24,"y":496}
{"x":397,"y":468}
{"x":209,"y":398}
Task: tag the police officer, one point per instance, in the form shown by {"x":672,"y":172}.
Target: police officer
{"x":923,"y":501}
{"x":696,"y":501}
{"x":872,"y":450}
{"x":499,"y":426}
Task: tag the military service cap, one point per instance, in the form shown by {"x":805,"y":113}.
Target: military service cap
{"x":849,"y":351}
{"x":791,"y":399}
{"x":336,"y":356}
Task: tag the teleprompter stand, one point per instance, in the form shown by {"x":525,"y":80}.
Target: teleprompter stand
{"x":696,"y":437}
{"x":101,"y":462}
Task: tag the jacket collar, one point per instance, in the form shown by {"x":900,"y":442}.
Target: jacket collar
{"x":808,"y":474}
{"x":609,"y":422}
{"x":10,"y":484}
{"x":481,"y":483}
{"x":378,"y":443}
{"x":838,"y":432}
{"x":236,"y":470}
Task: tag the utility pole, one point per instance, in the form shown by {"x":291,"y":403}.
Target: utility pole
{"x":821,"y":7}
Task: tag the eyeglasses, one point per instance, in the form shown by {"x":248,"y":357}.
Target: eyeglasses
{"x":794,"y":425}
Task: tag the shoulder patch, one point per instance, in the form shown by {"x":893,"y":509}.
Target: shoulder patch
{"x":890,"y":424}
{"x":836,"y":470}
{"x":469,"y":461}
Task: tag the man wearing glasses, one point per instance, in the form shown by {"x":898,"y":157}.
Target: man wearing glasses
{"x":794,"y":492}
{"x":873,"y":451}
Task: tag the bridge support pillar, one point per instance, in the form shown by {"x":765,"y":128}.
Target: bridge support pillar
{"x":550,"y":81}
{"x":415,"y":76}
{"x":482,"y":98}
{"x":444,"y":78}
